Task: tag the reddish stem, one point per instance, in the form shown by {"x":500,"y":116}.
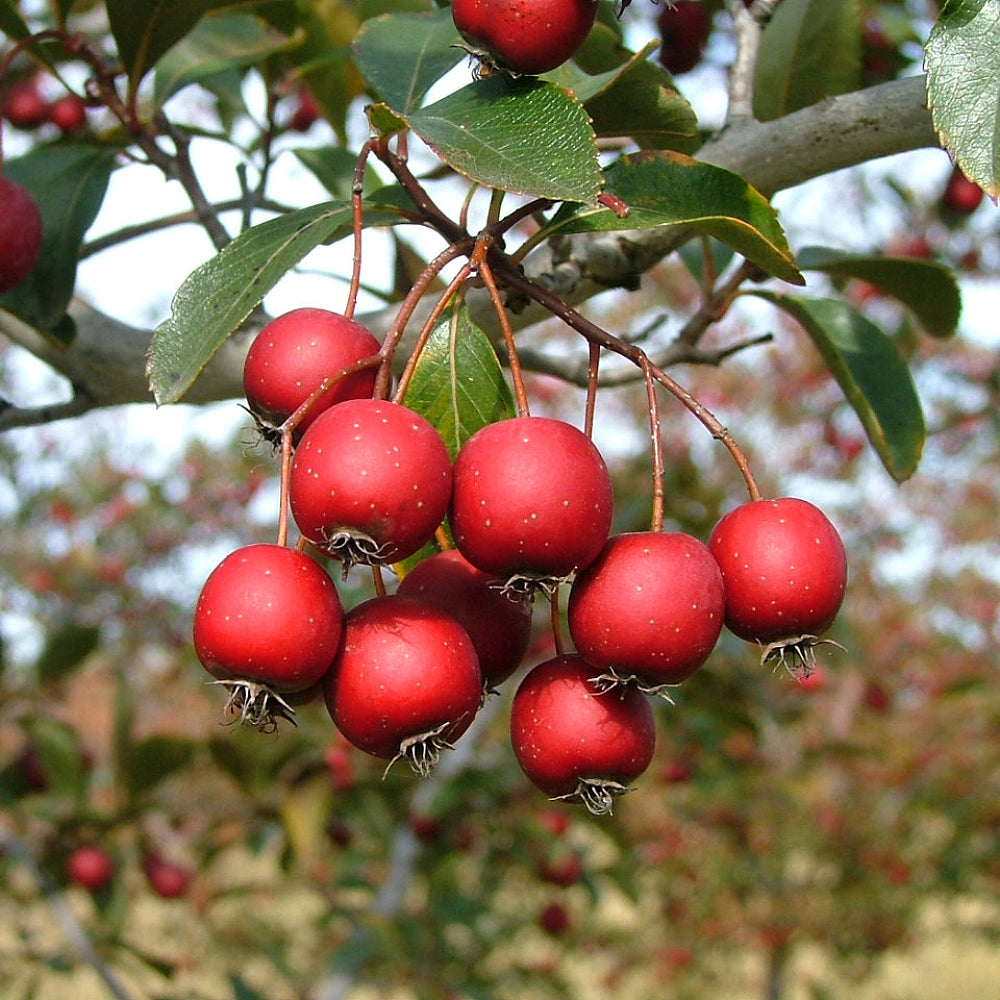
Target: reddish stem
{"x":357,"y":217}
{"x":517,"y":376}
{"x":596,"y":335}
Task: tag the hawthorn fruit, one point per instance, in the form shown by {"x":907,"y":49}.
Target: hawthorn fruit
{"x":784,"y":569}
{"x":499,"y":624}
{"x":532,"y":501}
{"x":577,"y":741}
{"x":268,"y":622}
{"x":684,"y":28}
{"x":295,"y":353}
{"x":405,"y":682}
{"x":370,"y":482}
{"x":649,"y":608}
{"x":524,"y":37}
{"x":20,"y":234}
{"x":90,"y":866}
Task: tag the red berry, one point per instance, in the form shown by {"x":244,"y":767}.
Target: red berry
{"x":498,"y":623}
{"x":961,"y":195}
{"x":268,"y":618}
{"x":650,"y":606}
{"x":554,"y":919}
{"x":291,"y":356}
{"x":405,"y":683}
{"x":166,"y":879}
{"x":784,"y":569}
{"x":576,"y":741}
{"x":684,"y":29}
{"x":68,"y":113}
{"x":23,"y":106}
{"x":20,"y":234}
{"x":532,"y":499}
{"x":306,"y":112}
{"x":370,"y":481}
{"x":91,"y":867}
{"x":524,"y":36}
{"x":563,"y":869}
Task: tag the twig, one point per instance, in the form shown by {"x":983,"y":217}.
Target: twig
{"x":75,"y":934}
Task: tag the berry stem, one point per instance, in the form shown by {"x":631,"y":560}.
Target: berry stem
{"x":357,"y":219}
{"x":286,"y":470}
{"x":593,"y":370}
{"x":597,"y":335}
{"x":656,"y":446}
{"x":439,"y":307}
{"x":485,"y":242}
{"x":556,"y":619}
{"x":409,"y":304}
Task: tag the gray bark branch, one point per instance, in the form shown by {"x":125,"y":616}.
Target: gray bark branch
{"x":105,"y":362}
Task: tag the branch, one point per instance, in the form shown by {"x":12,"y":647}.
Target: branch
{"x":106,"y":360}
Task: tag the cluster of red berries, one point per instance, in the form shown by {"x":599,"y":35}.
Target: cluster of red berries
{"x":92,"y":868}
{"x":24,"y":106}
{"x":528,"y":504}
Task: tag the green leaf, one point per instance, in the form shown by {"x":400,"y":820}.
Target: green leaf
{"x":11,"y":22}
{"x":334,"y":167}
{"x":68,"y":181}
{"x":58,"y":747}
{"x":145,"y":29}
{"x":65,"y":649}
{"x":670,"y":189}
{"x":323,"y":60}
{"x":219,"y":295}
{"x":154,"y":759}
{"x":524,"y":136}
{"x":809,"y":50}
{"x":401,"y":56}
{"x":214,"y":45}
{"x":457,"y":383}
{"x":928,"y":289}
{"x":643,"y":104}
{"x":872,"y":374}
{"x":962,"y":58}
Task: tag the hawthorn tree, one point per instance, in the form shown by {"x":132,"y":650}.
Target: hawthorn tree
{"x":486,"y":211}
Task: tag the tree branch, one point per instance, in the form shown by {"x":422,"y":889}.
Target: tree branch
{"x":106,"y":360}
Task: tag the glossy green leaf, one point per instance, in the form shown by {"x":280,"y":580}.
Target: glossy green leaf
{"x":928,"y":289}
{"x":872,"y":374}
{"x":643,"y":104}
{"x":588,"y":83}
{"x":152,"y":760}
{"x":809,"y":50}
{"x":214,"y":45}
{"x":524,"y":136}
{"x":669,"y":189}
{"x":401,"y":56}
{"x":68,"y":181}
{"x":323,"y":59}
{"x":11,"y":22}
{"x":145,"y":29}
{"x":458,"y":384}
{"x":334,"y":168}
{"x":219,"y":295}
{"x":962,"y":58}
